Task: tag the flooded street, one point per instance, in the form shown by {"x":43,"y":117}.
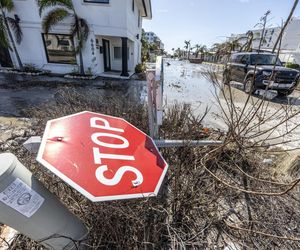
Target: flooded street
{"x":13,"y":102}
{"x":183,"y":83}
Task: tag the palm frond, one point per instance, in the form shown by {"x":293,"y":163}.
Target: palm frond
{"x":4,"y":41}
{"x":14,"y":24}
{"x":7,"y":4}
{"x":53,"y":18}
{"x":44,"y":4}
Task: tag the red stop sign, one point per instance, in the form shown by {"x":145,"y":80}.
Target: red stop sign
{"x":102,"y":157}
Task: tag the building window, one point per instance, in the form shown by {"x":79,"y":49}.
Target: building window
{"x":133,"y":5}
{"x":118,"y":53}
{"x":96,"y":1}
{"x":59,"y":48}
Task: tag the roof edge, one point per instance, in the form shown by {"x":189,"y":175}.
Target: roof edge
{"x":147,"y":9}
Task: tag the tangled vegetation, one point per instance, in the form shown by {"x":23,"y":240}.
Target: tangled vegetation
{"x":212,"y":198}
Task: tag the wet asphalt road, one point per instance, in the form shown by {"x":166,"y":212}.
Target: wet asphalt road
{"x":20,"y":93}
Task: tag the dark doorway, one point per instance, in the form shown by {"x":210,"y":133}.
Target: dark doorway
{"x":5,"y":60}
{"x":106,"y":55}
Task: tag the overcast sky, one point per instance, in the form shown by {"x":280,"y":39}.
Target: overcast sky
{"x":210,"y":21}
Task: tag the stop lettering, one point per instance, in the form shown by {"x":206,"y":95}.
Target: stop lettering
{"x":103,"y":157}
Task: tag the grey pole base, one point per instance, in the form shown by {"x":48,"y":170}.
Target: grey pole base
{"x":27,"y":206}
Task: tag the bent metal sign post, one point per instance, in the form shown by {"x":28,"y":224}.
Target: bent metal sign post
{"x":102,"y":157}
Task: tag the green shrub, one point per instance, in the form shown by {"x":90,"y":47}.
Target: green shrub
{"x":140,"y":68}
{"x":292,"y":65}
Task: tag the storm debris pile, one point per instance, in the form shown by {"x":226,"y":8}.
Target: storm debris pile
{"x":212,"y":197}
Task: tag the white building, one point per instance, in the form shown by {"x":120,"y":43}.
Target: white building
{"x":152,"y":38}
{"x":290,"y":47}
{"x":270,"y":37}
{"x":290,"y":43}
{"x":115,"y":34}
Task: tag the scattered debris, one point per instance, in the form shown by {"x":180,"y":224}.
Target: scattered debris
{"x":268,"y":161}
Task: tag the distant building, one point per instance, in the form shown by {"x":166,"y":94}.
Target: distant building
{"x":113,"y":45}
{"x":152,"y":39}
{"x":290,"y":44}
{"x":270,"y":37}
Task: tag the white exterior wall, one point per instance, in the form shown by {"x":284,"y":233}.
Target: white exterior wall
{"x":291,"y":42}
{"x":114,"y":20}
{"x":291,"y":38}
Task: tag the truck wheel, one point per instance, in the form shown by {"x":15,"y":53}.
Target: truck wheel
{"x":249,"y":85}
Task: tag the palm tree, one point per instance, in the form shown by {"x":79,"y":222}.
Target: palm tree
{"x":65,"y":9}
{"x":248,"y":45}
{"x":233,"y":45}
{"x":225,"y":48}
{"x":188,"y":48}
{"x":178,"y":53}
{"x":203,"y":51}
{"x":7,"y":25}
{"x":197,"y":50}
{"x":200,"y":49}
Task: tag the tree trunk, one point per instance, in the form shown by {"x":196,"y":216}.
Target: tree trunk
{"x":285,"y":25}
{"x":81,"y":63}
{"x":11,"y":38}
{"x":81,"y":67}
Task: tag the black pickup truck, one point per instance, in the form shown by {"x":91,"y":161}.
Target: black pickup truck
{"x":260,"y":71}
